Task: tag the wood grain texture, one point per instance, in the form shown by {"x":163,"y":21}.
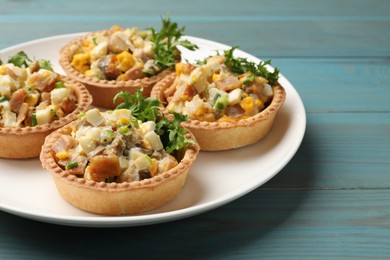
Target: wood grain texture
{"x":281,"y":29}
{"x":335,"y":224}
{"x":340,"y":151}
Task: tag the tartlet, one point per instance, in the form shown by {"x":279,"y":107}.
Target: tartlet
{"x":226,"y":109}
{"x":110,"y":163}
{"x":31,"y":109}
{"x":115,"y":60}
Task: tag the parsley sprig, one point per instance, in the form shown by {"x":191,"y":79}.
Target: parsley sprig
{"x":172,"y":134}
{"x":144,"y":109}
{"x":21,"y":60}
{"x":165,"y":43}
{"x":241,"y":65}
{"x":148,"y":109}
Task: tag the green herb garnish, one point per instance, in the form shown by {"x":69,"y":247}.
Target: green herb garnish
{"x":148,"y":109}
{"x":45,"y":64}
{"x":165,"y":43}
{"x":242,"y":65}
{"x":172,"y":134}
{"x":59,"y":84}
{"x":20,"y":59}
{"x":71,"y":165}
{"x":144,"y":109}
{"x":34,"y":120}
{"x":125,"y":130}
{"x":249,"y":79}
{"x":3,"y":99}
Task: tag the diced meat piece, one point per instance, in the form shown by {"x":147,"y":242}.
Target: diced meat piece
{"x":108,"y":67}
{"x":22,"y":114}
{"x":117,"y":147}
{"x":167,"y":163}
{"x":68,"y":105}
{"x":43,"y":80}
{"x":103,"y":167}
{"x":34,"y":67}
{"x":234,"y":111}
{"x":135,"y":72}
{"x":17,"y":100}
{"x":117,"y":42}
{"x":81,"y":165}
{"x":141,"y":55}
{"x":144,"y":174}
{"x":227,"y":82}
{"x":46,"y":97}
{"x":151,"y":68}
{"x":65,"y":142}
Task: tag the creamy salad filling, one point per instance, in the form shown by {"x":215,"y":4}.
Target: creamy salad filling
{"x":118,"y":54}
{"x":222,"y":88}
{"x":113,"y":146}
{"x":129,"y":54}
{"x":32,"y":94}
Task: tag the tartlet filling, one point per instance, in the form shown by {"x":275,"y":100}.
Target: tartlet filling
{"x":128,"y":54}
{"x":118,"y":54}
{"x":33,"y":95}
{"x":113,"y":146}
{"x":221,"y":88}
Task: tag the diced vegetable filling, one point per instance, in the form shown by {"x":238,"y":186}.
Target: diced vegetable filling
{"x":113,"y":146}
{"x":32,"y":95}
{"x":223,"y":89}
{"x":129,"y":54}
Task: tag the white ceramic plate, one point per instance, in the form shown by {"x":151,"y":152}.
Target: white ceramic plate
{"x":216,"y":178}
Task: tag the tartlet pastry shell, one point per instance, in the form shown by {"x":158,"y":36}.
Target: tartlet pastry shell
{"x":215,"y":136}
{"x":116,"y":198}
{"x":26,"y":142}
{"x":104,"y":91}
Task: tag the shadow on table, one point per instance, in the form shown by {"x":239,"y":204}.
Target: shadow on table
{"x":221,"y":232}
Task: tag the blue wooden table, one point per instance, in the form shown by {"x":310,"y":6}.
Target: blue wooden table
{"x":332,"y":201}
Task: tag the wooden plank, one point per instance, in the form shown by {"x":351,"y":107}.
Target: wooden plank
{"x":301,"y":28}
{"x":296,"y":224}
{"x":196,"y":10}
{"x":269,"y":39}
{"x":340,"y":151}
{"x":340,"y":85}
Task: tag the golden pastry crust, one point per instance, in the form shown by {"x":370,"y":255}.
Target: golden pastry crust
{"x":218,"y":136}
{"x":26,"y":142}
{"x":116,"y":198}
{"x":104,"y":91}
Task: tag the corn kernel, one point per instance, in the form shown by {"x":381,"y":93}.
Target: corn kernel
{"x":122,"y":77}
{"x":116,"y":28}
{"x":87,"y":45}
{"x":216,"y":77}
{"x":200,"y":111}
{"x":125,"y":60}
{"x":63,"y":155}
{"x":184,"y":97}
{"x":89,"y":73}
{"x":124,"y":121}
{"x":3,"y":69}
{"x":179,"y":68}
{"x":259,"y":104}
{"x":247,"y":104}
{"x":154,"y":167}
{"x":81,"y":62}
